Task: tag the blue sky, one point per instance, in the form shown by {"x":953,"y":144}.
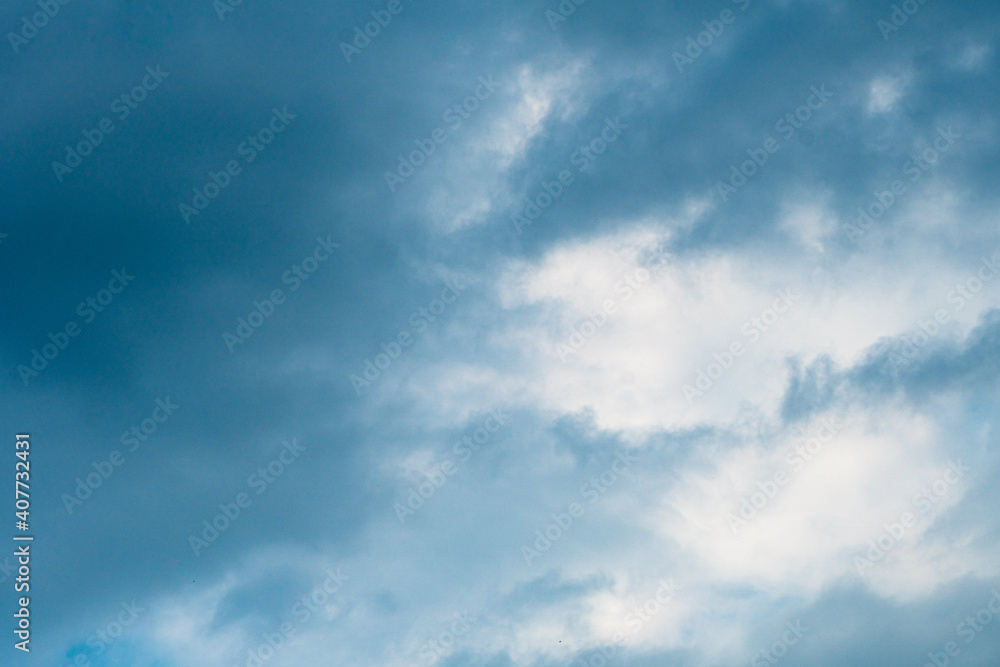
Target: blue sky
{"x":511,"y":334}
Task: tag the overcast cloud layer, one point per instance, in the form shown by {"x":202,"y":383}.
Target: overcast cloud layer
{"x":508,"y":333}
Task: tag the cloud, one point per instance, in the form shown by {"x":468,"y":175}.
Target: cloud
{"x":641,"y":316}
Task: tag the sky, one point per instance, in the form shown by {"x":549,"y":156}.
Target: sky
{"x":537,"y":334}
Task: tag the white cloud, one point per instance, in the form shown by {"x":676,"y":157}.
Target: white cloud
{"x":469,"y":181}
{"x":884,"y":92}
